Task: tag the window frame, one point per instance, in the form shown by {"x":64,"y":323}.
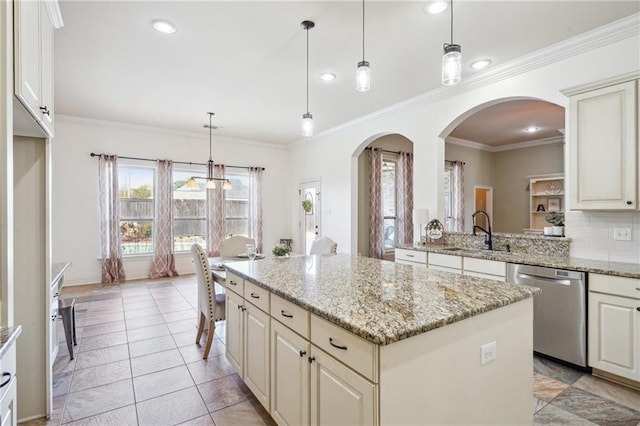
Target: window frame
{"x":121,"y":219}
{"x":391,"y":157}
{"x":190,"y":172}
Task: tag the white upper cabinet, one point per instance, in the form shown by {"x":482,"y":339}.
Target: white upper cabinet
{"x":603,"y":147}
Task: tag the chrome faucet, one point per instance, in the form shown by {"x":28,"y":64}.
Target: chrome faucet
{"x":488,"y":242}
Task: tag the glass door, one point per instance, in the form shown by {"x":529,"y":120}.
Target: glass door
{"x":310,"y":213}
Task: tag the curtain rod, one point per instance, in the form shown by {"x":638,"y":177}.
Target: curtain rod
{"x":387,"y":151}
{"x":93,"y":154}
{"x":454,"y":161}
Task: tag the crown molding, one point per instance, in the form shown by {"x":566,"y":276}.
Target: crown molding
{"x":570,"y":91}
{"x":510,"y":147}
{"x":53,"y":7}
{"x":171,"y":132}
{"x":611,"y":33}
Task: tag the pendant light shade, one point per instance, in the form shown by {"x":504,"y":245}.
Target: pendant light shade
{"x":363,"y":73}
{"x":452,"y":59}
{"x":307,"y":118}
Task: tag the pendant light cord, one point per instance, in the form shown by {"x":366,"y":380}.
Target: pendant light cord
{"x":362,"y":30}
{"x":210,"y":115}
{"x":307,"y":29}
{"x":451,"y":21}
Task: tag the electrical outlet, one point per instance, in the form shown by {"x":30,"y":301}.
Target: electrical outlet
{"x":487,"y":353}
{"x":622,"y":234}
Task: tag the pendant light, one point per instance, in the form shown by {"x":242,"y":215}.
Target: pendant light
{"x":452,"y":59}
{"x":211,"y":181}
{"x":307,"y":118}
{"x":363,"y":73}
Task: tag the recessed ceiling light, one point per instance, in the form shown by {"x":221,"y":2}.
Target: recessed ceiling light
{"x":435,"y":7}
{"x":532,"y":129}
{"x":163,"y":26}
{"x":328,"y":76}
{"x":480,"y":64}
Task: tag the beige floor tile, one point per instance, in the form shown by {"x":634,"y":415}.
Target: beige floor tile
{"x":194,"y":352}
{"x":186,"y":338}
{"x":546,"y":388}
{"x":100,"y":375}
{"x":128,"y":300}
{"x":184,"y":325}
{"x":189,"y":314}
{"x":143,"y":333}
{"x":155,"y":362}
{"x":102,"y":356}
{"x":173,"y":408}
{"x":210,"y":369}
{"x":174,"y":307}
{"x":224,"y":392}
{"x":162,"y":382}
{"x":103,"y":317}
{"x":144,"y":304}
{"x":102,"y":341}
{"x":106,"y":328}
{"x":200,"y":421}
{"x":149,"y":346}
{"x":620,"y":394}
{"x":98,"y":400}
{"x":247,"y":413}
{"x":61,"y":384}
{"x":143,"y":312}
{"x":125,"y":416}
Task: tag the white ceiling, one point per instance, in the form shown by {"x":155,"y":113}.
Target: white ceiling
{"x":245,"y":60}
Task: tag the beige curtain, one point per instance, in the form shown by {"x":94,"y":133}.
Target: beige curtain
{"x":376,"y":215}
{"x":404,"y":198}
{"x":255,"y":206}
{"x":457,"y":204}
{"x":110,"y":243}
{"x":164,"y":264}
{"x":215,"y":213}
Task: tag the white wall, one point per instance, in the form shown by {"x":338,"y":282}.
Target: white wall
{"x":76,"y":229}
{"x":333,"y":155}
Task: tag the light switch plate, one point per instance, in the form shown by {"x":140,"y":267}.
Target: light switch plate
{"x":622,"y":234}
{"x":487,"y":352}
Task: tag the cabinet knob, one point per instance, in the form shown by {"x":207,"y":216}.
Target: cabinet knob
{"x":638,"y":309}
{"x":629,"y":202}
{"x":44,"y":110}
{"x":311,"y":359}
{"x":53,"y":317}
{"x":302,"y":353}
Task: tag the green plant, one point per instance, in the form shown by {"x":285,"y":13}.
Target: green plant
{"x":307,"y":205}
{"x":281,"y":250}
{"x":555,"y":218}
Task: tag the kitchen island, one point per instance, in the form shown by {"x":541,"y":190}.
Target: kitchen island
{"x":383,"y":343}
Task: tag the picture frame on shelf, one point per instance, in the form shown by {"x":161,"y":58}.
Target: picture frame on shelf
{"x":553,"y":204}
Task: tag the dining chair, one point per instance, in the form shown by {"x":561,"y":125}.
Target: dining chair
{"x":324,"y":245}
{"x":211,"y":306}
{"x":235,"y":245}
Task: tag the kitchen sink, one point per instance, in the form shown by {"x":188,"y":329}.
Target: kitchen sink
{"x":462,"y":251}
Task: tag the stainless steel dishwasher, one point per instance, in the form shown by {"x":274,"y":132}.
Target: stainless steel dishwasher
{"x":559,"y":312}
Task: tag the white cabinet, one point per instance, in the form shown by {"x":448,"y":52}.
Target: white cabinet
{"x":614,"y":325}
{"x":33,"y":40}
{"x":8,"y":386}
{"x":248,"y":336}
{"x":411,"y":257}
{"x":546,"y":194}
{"x":603,"y":141}
{"x":339,"y":396}
{"x":289,"y":376}
{"x":445,"y":262}
{"x":485,"y":268}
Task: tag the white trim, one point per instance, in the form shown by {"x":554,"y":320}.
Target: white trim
{"x":601,"y":83}
{"x":149,"y":129}
{"x":53,"y":7}
{"x":616,"y":31}
{"x":509,"y":147}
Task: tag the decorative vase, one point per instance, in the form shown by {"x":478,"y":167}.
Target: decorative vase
{"x":558,"y":231}
{"x":548,"y":230}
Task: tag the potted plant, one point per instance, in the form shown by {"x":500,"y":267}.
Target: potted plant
{"x":557,"y":220}
{"x":281,"y":251}
{"x":307,"y":205}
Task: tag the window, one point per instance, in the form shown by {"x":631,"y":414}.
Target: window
{"x":389,"y":199}
{"x":136,"y":209}
{"x":189,"y":212}
{"x":448,"y":197}
{"x":236,"y":205}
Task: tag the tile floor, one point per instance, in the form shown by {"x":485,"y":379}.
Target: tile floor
{"x":136,"y":364}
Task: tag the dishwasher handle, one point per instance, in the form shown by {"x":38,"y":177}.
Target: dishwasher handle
{"x":520,"y":275}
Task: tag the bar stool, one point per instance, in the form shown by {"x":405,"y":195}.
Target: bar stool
{"x":67,"y":310}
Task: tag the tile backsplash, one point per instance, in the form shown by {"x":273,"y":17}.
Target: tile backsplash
{"x":591,"y":235}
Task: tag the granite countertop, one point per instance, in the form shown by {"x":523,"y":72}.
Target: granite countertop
{"x":8,"y":336}
{"x":57,"y":271}
{"x":380,"y":301}
{"x":629,"y":270}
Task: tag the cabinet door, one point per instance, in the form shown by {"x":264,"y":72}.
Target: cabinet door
{"x":339,"y":396}
{"x":46,"y":83}
{"x":614,"y":334}
{"x":234,"y":331}
{"x":8,"y":412}
{"x":289,"y":376}
{"x":603,"y":148}
{"x":256,"y":353}
{"x":27,"y":54}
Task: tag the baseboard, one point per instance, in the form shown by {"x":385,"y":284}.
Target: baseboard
{"x":617,"y":379}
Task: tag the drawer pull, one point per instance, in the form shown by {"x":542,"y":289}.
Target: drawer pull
{"x":45,"y":110}
{"x":344,"y":348}
{"x":244,"y":309}
{"x":638,"y":288}
{"x":6,"y":382}
{"x":410,"y":255}
{"x":233,"y":282}
{"x":302,"y":353}
{"x":311,"y":359}
{"x":285,"y":314}
{"x":56,"y":295}
{"x":255,"y":296}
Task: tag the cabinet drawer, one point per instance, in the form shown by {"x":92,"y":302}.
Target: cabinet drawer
{"x":482,"y":275}
{"x":411,"y":255}
{"x":256,"y":295}
{"x":444,"y":268}
{"x":445,"y":260}
{"x":618,"y":286}
{"x":291,"y":315}
{"x":484,"y":266}
{"x":234,"y":283}
{"x":346,"y":347}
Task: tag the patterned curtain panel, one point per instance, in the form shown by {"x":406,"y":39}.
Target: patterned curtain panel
{"x":164,"y":264}
{"x":457,"y":204}
{"x":110,"y":244}
{"x":255,"y":206}
{"x":404,"y":198}
{"x":376,"y":215}
{"x":215,"y":214}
